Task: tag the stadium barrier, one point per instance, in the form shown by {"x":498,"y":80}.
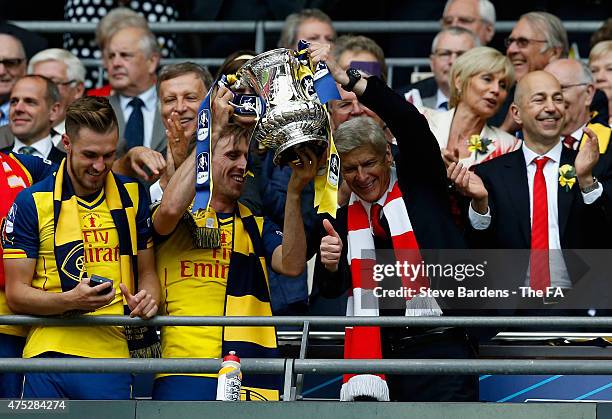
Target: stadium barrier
{"x":261,"y":28}
{"x":293,"y":369}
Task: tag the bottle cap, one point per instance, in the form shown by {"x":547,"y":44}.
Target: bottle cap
{"x":231,"y":357}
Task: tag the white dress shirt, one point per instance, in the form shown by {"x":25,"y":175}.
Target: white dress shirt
{"x":440,"y":99}
{"x":4,"y":113}
{"x":156,"y":192}
{"x":149,"y":98}
{"x":60,"y":129}
{"x":42,"y":147}
{"x":558,"y":271}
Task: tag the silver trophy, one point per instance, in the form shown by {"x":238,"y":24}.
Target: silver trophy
{"x":293,"y":118}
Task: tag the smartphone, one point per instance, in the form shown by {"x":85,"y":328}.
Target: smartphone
{"x":97,"y":280}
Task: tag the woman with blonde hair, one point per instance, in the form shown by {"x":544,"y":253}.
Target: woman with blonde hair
{"x":600,"y":62}
{"x":479,"y":83}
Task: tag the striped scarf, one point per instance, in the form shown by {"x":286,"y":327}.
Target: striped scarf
{"x":70,"y":255}
{"x":247,"y":294}
{"x":364,"y":342}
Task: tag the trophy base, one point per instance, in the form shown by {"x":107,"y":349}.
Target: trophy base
{"x":287,"y":152}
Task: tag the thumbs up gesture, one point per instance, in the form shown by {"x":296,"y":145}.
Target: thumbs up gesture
{"x":331,"y":248}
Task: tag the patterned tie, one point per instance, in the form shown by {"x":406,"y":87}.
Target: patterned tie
{"x":570,"y":142}
{"x":27,"y":150}
{"x":540,"y":269}
{"x":377,"y":228}
{"x":134,"y":129}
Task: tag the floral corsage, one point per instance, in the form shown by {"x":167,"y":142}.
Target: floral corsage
{"x":479,"y":145}
{"x":567,"y":176}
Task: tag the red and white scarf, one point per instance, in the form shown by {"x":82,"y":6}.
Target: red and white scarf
{"x":363,"y":342}
{"x":13,"y":178}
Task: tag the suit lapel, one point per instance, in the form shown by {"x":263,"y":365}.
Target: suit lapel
{"x":515,"y":179}
{"x":158,"y":136}
{"x":565,"y":198}
{"x":114,"y":101}
{"x":56,"y":155}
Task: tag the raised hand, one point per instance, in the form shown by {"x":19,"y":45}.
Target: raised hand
{"x":303,"y":171}
{"x":331,"y":248}
{"x":469,"y":184}
{"x":178,"y":143}
{"x":142,"y":304}
{"x":141,"y":157}
{"x":587,"y":158}
{"x":322,"y":52}
{"x":450,"y":156}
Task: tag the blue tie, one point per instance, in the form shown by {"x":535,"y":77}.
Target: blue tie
{"x":134,"y":129}
{"x":27,"y":150}
{"x":443,"y":105}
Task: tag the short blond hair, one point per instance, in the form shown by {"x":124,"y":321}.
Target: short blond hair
{"x":475,"y":61}
{"x":600,"y":50}
{"x":91,"y":112}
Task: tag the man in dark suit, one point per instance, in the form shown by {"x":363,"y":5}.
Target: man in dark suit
{"x":131,"y":58}
{"x":34,"y":104}
{"x":421,"y":217}
{"x":448,"y":44}
{"x":543,"y":196}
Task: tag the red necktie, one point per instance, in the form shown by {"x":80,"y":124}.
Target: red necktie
{"x":377,"y":227}
{"x":540,"y":269}
{"x":569,"y":142}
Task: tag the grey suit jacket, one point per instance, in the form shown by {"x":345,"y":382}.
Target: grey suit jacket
{"x":6,"y":137}
{"x":429,"y":102}
{"x":158,"y":138}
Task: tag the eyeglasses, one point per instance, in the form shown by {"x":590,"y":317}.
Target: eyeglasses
{"x":11,"y":63}
{"x":447,"y":53}
{"x":564,"y":87}
{"x":460,"y":20}
{"x":521,"y":42}
{"x":63,"y":83}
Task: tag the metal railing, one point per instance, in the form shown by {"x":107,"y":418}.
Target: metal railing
{"x":388,"y":321}
{"x":261,"y":28}
{"x":244,"y":26}
{"x":293,"y":369}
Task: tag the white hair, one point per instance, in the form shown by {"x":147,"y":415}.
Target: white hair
{"x":74,"y":67}
{"x":486,"y":9}
{"x":457,"y":31}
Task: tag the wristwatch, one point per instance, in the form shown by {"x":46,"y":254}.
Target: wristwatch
{"x":591,"y":187}
{"x":354,"y":76}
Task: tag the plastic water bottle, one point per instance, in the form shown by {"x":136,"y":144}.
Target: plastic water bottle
{"x":230,"y":378}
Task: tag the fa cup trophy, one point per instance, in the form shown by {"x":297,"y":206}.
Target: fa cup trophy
{"x":293,"y":117}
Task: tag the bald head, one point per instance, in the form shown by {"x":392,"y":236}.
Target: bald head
{"x":539,"y":107}
{"x":528,"y":85}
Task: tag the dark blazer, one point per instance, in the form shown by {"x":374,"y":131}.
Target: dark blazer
{"x":6,"y":137}
{"x":158,"y":138}
{"x":426,"y":87}
{"x":422,"y":180}
{"x":581,"y":226}
{"x":505,"y":178}
{"x":55,"y":155}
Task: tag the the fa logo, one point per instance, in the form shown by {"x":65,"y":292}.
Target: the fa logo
{"x":203,"y":124}
{"x":334,"y":170}
{"x":10,"y":220}
{"x":202,"y":173}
